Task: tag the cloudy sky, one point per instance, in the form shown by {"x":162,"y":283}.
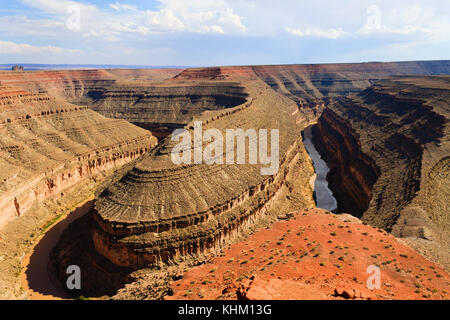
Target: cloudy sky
{"x":222,"y":32}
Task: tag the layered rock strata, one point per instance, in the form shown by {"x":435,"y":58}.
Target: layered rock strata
{"x":74,"y":85}
{"x":159,"y":212}
{"x":401,"y":127}
{"x":389,"y":153}
{"x":48,"y":145}
{"x":307,"y":83}
{"x":352,"y":173}
{"x":164,"y":107}
{"x":140,"y":97}
{"x":70,"y":85}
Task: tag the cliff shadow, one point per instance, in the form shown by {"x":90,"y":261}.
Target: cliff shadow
{"x":99,"y":277}
{"x":37,"y":274}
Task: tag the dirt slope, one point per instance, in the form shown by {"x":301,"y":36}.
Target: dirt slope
{"x":315,"y":256}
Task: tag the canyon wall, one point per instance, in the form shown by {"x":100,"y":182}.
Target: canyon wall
{"x":388,"y":149}
{"x":74,"y":86}
{"x":307,"y":83}
{"x":352,"y":173}
{"x":141,"y":97}
{"x":163,"y":107}
{"x":158,"y":212}
{"x":166,"y":99}
{"x":69,"y":85}
{"x":48,"y":145}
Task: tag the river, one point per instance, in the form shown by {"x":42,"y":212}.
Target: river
{"x":41,"y":285}
{"x":324,"y":196}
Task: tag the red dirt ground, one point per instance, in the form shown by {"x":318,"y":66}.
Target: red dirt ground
{"x":315,"y":255}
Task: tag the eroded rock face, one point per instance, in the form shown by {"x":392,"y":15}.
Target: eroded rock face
{"x":164,"y":107}
{"x":402,"y":128}
{"x":159,"y":212}
{"x":76,"y":86}
{"x":69,"y":85}
{"x":389,"y":147}
{"x":352,"y":173}
{"x":48,"y":145}
{"x":308,"y":83}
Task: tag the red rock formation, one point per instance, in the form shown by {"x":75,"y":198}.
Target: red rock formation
{"x":74,"y":85}
{"x":307,"y":83}
{"x":167,"y":223}
{"x":316,"y":255}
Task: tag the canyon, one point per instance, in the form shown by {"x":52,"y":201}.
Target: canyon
{"x":388,"y":151}
{"x":48,"y":145}
{"x":384,"y":138}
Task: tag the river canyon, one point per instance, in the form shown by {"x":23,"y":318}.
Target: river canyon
{"x":367,"y":143}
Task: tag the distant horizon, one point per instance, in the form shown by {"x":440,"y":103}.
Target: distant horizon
{"x":42,"y":66}
{"x":88,"y":66}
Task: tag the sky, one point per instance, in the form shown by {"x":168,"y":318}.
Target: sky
{"x":222,"y":32}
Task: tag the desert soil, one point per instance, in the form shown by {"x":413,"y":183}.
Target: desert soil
{"x":315,"y":255}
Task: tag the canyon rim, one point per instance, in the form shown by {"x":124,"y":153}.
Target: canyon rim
{"x":263,"y":179}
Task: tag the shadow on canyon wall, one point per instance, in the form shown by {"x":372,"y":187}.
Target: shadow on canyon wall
{"x":37,"y":274}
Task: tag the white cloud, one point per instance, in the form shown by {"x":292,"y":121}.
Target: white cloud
{"x":414,"y":21}
{"x":163,"y":20}
{"x":122,"y":7}
{"x":59,"y":6}
{"x":405,"y":30}
{"x":424,"y":23}
{"x":213,"y":29}
{"x":231,"y":20}
{"x":9,"y":47}
{"x":316,"y":32}
{"x":198,"y":16}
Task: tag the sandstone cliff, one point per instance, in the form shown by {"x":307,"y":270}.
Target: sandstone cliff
{"x":159,"y":212}
{"x":48,"y":145}
{"x":76,"y":86}
{"x":163,"y":107}
{"x":307,"y":83}
{"x":388,"y":149}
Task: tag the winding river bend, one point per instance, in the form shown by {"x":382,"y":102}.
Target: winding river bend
{"x":40,"y":284}
{"x":324,"y":196}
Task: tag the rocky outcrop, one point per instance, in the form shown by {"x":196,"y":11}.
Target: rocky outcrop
{"x":77,"y":86}
{"x":48,"y":145}
{"x":69,"y":85}
{"x":149,"y":215}
{"x":165,"y":107}
{"x":17,"y":68}
{"x":352,"y":173}
{"x":401,"y":173}
{"x":308,"y":83}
